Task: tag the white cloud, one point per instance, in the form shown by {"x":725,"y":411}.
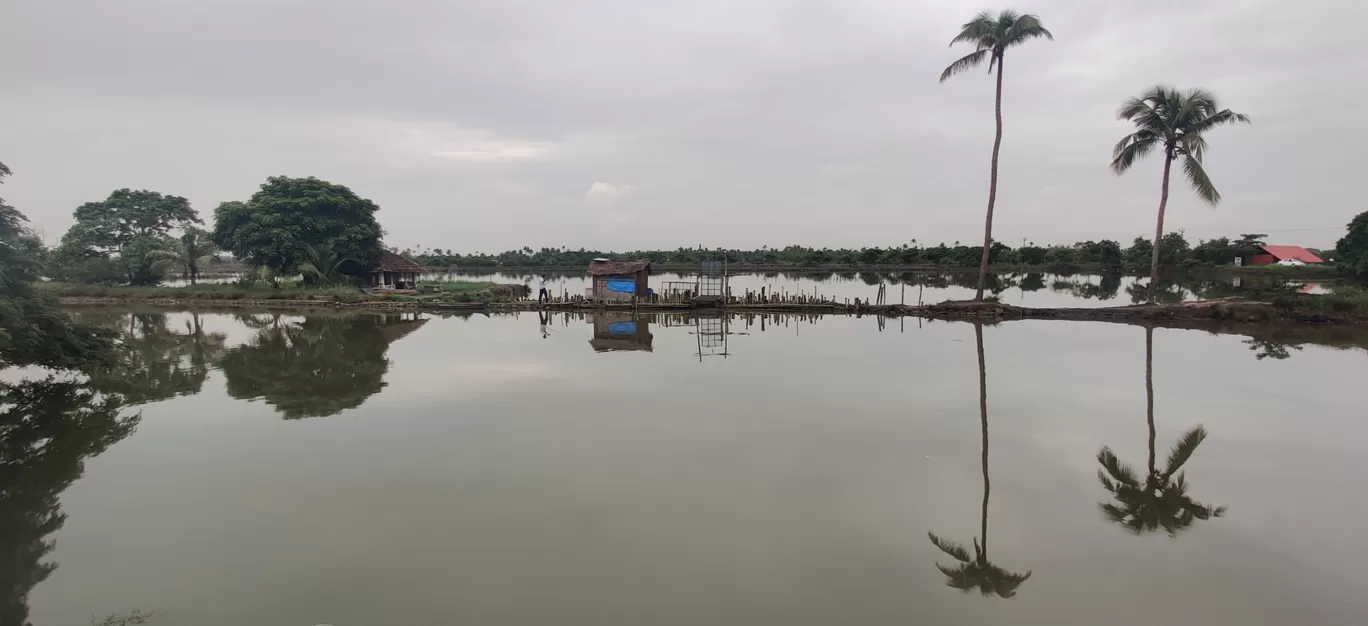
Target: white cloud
{"x":605,"y":194}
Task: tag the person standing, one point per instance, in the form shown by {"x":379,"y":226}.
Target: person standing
{"x":542,"y":294}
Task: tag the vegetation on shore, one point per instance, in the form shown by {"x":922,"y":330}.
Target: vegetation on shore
{"x":238,"y":291}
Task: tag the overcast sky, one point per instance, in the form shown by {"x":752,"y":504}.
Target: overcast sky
{"x":618,"y":124}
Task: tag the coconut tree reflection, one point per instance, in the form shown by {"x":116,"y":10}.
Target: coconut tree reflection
{"x":48,"y":428}
{"x":154,"y":362}
{"x":1159,"y":499}
{"x":976,"y":571}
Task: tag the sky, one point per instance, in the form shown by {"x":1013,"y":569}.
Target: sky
{"x":484,"y":125}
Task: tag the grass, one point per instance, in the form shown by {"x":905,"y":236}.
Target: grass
{"x":457,"y":287}
{"x":1346,"y":299}
{"x":233,"y":291}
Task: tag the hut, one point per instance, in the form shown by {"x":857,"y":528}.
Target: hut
{"x":620,"y":332}
{"x":618,"y":281}
{"x":394,"y":272}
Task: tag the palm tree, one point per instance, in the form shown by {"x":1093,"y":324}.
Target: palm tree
{"x":1176,"y":121}
{"x":193,"y":250}
{"x":1161,"y":500}
{"x":976,"y":571}
{"x":992,"y":36}
{"x":323,"y":265}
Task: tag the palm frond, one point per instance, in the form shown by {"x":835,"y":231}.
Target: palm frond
{"x":1120,"y":472}
{"x":964,"y":64}
{"x":955,"y":550}
{"x":1131,"y":148}
{"x":976,"y":29}
{"x":1182,"y":451}
{"x":1217,"y":119}
{"x":1193,"y":145}
{"x":1201,"y":183}
{"x":1026,"y":28}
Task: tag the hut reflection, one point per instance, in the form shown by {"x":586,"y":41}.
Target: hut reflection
{"x":620,"y":332}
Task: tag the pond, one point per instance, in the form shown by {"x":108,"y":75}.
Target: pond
{"x":515,"y":469}
{"x":1021,"y":289}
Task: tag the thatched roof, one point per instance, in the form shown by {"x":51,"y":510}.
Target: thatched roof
{"x":617,"y":268}
{"x":391,"y":262}
{"x":394,"y":331}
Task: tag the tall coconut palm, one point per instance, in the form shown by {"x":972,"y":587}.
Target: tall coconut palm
{"x":1175,"y":121}
{"x":991,"y":35}
{"x":192,"y":251}
{"x":976,"y":571}
{"x":1160,"y":500}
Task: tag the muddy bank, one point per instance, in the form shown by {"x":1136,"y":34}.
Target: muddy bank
{"x":1235,"y":310}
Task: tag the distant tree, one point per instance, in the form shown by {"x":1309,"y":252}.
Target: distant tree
{"x":119,"y":234}
{"x":991,"y":35}
{"x":1250,"y":240}
{"x":188,"y":253}
{"x":33,"y":330}
{"x":1176,"y":122}
{"x":273,"y":228}
{"x":1352,"y":249}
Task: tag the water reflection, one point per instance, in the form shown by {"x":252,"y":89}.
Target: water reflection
{"x":318,"y":366}
{"x":976,"y":571}
{"x":154,"y":362}
{"x":1160,"y":501}
{"x":47,"y":430}
{"x":618,"y":332}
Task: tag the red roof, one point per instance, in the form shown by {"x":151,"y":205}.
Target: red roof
{"x":1299,"y":253}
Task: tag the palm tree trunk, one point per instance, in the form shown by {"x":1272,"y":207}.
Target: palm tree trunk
{"x":1159,"y":227}
{"x":983,"y":420}
{"x":992,"y":186}
{"x":1149,"y":394}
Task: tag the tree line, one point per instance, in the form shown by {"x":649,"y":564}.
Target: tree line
{"x":321,"y":231}
{"x":1175,"y":251}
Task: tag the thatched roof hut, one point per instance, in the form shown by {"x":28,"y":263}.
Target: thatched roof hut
{"x":395,"y":272}
{"x":619,"y":280}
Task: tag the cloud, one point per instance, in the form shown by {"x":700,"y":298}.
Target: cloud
{"x":607,"y":195}
{"x":474,"y":124}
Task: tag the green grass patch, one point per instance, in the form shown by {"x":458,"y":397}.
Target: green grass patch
{"x":1346,"y":299}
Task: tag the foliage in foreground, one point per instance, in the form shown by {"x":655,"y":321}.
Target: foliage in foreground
{"x":1352,"y":250}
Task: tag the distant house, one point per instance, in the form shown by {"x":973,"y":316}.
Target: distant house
{"x":394,"y":272}
{"x":1269,"y":254}
{"x":618,"y":280}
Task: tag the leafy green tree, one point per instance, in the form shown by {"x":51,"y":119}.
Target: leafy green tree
{"x":274,"y":227}
{"x":191,"y":251}
{"x":33,"y":330}
{"x":1352,"y":249}
{"x":1159,"y":499}
{"x":322,"y":265}
{"x":1176,"y":122}
{"x":991,"y":35}
{"x":47,"y":430}
{"x":315,"y":368}
{"x":121,"y":232}
{"x":976,"y":571}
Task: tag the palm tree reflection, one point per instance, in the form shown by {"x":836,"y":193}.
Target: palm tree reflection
{"x":975,"y":571}
{"x":1160,"y":500}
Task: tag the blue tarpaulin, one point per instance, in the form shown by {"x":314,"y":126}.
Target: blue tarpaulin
{"x":622,"y":284}
{"x":622,"y":328}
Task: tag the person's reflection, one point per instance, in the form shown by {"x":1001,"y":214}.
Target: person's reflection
{"x":544,"y":317}
{"x":1160,"y":501}
{"x":975,"y":571}
{"x":47,"y":430}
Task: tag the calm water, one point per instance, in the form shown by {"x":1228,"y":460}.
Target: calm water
{"x":486,"y":470}
{"x":1022,"y":289}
